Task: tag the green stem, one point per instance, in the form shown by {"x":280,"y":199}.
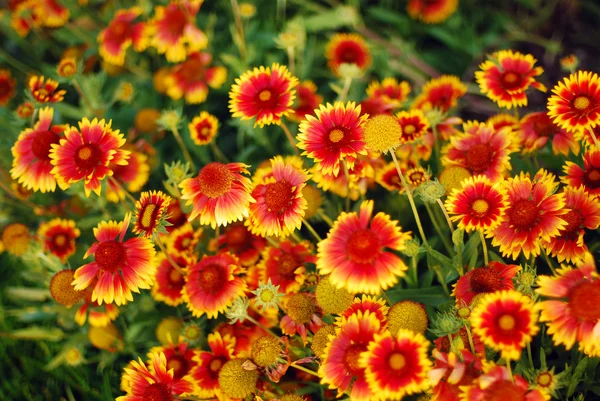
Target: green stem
{"x":345,"y":89}
{"x":217,"y":152}
{"x":438,"y":229}
{"x":312,"y":230}
{"x":290,"y":138}
{"x":414,"y":272}
{"x":182,"y":146}
{"x":347,"y":175}
{"x":252,"y":320}
{"x":240,"y":28}
{"x":292,"y":60}
{"x":410,"y":199}
{"x":167,"y":255}
{"x":305,"y":370}
{"x":325,"y":218}
{"x":549,"y":262}
{"x":484,"y":245}
{"x":529,"y":357}
{"x":470,"y":337}
{"x":450,"y":225}
{"x":510,"y":370}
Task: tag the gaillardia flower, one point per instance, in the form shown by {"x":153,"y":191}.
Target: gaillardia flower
{"x":58,"y":236}
{"x":572,"y":312}
{"x":85,"y":154}
{"x":307,"y":101}
{"x":174,"y":31}
{"x":279,"y":206}
{"x":206,"y":371}
{"x":536,"y":129}
{"x":132,"y":177}
{"x":238,"y":240}
{"x":440,"y":93}
{"x":265,"y":93}
{"x":203,"y":128}
{"x":157,"y":383}
{"x":414,"y":125}
{"x":149,"y":211}
{"x":396,"y":365}
{"x":355,"y":255}
{"x":220,"y":194}
{"x":183,"y":240}
{"x":7,"y":86}
{"x":534,"y":211}
{"x":192,"y":78}
{"x":506,"y":321}
{"x":390,"y":91}
{"x":494,"y":277}
{"x":285,"y":265}
{"x":120,"y":266}
{"x":212,"y":284}
{"x":347,"y":48}
{"x":120,"y":34}
{"x":588,"y":176}
{"x":506,"y":75}
{"x":498,"y":384}
{"x":478,"y":205}
{"x":335,"y":136}
{"x":45,"y":91}
{"x":169,"y":282}
{"x":575,"y":104}
{"x":179,"y":359}
{"x":31,"y":164}
{"x":431,"y":11}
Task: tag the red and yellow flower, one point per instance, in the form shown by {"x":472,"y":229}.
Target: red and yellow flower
{"x":308,"y":100}
{"x":390,"y":91}
{"x":7,"y":86}
{"x":397,"y":365}
{"x":506,"y":321}
{"x":192,"y":78}
{"x":45,"y":90}
{"x":355,"y":251}
{"x":174,"y":32}
{"x":431,"y":11}
{"x":340,"y":367}
{"x":347,"y":48}
{"x":534,"y":211}
{"x":97,"y":315}
{"x":149,"y":211}
{"x":572,"y":312}
{"x":158,"y":383}
{"x":334,"y":136}
{"x":353,"y":186}
{"x":478,"y":205}
{"x":536,"y":129}
{"x":374,"y":305}
{"x":451,"y":372}
{"x":440,"y":93}
{"x":86,"y":154}
{"x":120,"y":34}
{"x":58,"y":236}
{"x":28,"y":14}
{"x":588,"y":176}
{"x":31,"y":164}
{"x":132,"y":177}
{"x":494,"y":277}
{"x":203,"y":128}
{"x":584,"y":213}
{"x":183,"y":240}
{"x":168,"y":281}
{"x":220,"y":194}
{"x":120,"y":266}
{"x":238,"y":240}
{"x":180,"y":359}
{"x":280,"y":205}
{"x":482,"y":150}
{"x":505,"y":77}
{"x":265,"y":93}
{"x":212,"y":284}
{"x":575,"y":104}
{"x":414,"y":125}
{"x":285,"y":265}
{"x":208,"y":364}
{"x":301,"y":311}
{"x":498,"y":384}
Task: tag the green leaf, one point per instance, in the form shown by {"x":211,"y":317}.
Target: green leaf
{"x":37,"y":333}
{"x":433,"y":296}
{"x":335,"y":18}
{"x":446,"y":266}
{"x":577,"y":375}
{"x":471,"y":252}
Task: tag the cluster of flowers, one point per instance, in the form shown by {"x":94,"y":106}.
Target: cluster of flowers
{"x":295,"y":303}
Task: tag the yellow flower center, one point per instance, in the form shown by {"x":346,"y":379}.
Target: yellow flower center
{"x":480,"y":206}
{"x":215,"y":180}
{"x":397,"y":361}
{"x":336,"y":135}
{"x":174,"y":276}
{"x":510,"y":77}
{"x":84,"y":153}
{"x":264,"y":95}
{"x":215,"y":365}
{"x":581,"y":103}
{"x":507,"y":322}
{"x":60,"y":240}
{"x":148,"y":216}
{"x":409,"y":129}
{"x":544,"y":379}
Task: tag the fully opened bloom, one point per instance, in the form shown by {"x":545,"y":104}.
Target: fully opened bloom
{"x":451,"y":372}
{"x":86,"y":154}
{"x":440,"y":93}
{"x":203,"y":128}
{"x":588,"y":176}
{"x":478,"y":205}
{"x":355,"y":251}
{"x":482,"y":150}
{"x":156,"y":383}
{"x":498,"y":384}
{"x":534,"y":211}
{"x":238,"y":240}
{"x":506,"y":75}
{"x":265,"y":93}
{"x":391,"y":92}
{"x":121,"y":33}
{"x":7,"y":86}
{"x":169,"y":281}
{"x":340,"y":367}
{"x":301,"y":311}
{"x":183,"y":240}
{"x":120,"y":266}
{"x":572,"y":310}
{"x":575,"y":104}
{"x":494,"y":277}
{"x":179,"y":359}
{"x":174,"y":31}
{"x":220,"y":194}
{"x":45,"y":90}
{"x":280,"y":205}
{"x":506,"y":321}
{"x":208,"y":364}
{"x":414,"y":125}
{"x":132,"y":177}
{"x":149,"y":211}
{"x":192,"y":78}
{"x":431,"y":11}
{"x":536,"y":129}
{"x":212,"y":284}
{"x":285,"y":265}
{"x":584,"y":213}
{"x":334,"y":136}
{"x":58,"y":236}
{"x":307,"y":101}
{"x":347,"y":48}
{"x":31,"y":164}
{"x":396,"y":365}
